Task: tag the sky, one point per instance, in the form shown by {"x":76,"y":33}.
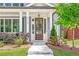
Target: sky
{"x":39,"y":1}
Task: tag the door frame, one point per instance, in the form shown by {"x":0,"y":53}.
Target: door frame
{"x":33,"y":29}
{"x":38,"y":18}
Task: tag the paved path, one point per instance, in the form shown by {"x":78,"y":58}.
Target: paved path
{"x":39,"y":48}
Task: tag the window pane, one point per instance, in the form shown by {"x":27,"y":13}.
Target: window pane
{"x":21,"y":4}
{"x":1,"y":4}
{"x":30,"y":24}
{"x":15,"y":4}
{"x":23,"y":24}
{"x":7,"y":25}
{"x":33,"y":28}
{"x":15,"y":25}
{"x":44,"y":25}
{"x":7,"y":4}
{"x":2,"y":25}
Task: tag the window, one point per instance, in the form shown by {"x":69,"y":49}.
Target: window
{"x":7,"y":25}
{"x":1,"y":25}
{"x":8,"y":4}
{"x":11,"y":25}
{"x":48,"y":21}
{"x":23,"y":20}
{"x":21,"y":4}
{"x":24,"y":24}
{"x":33,"y":28}
{"x":44,"y":25}
{"x":15,"y":25}
{"x":15,"y":4}
{"x":1,"y":4}
{"x":30,"y":24}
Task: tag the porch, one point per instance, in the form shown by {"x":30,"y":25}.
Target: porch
{"x":31,"y":21}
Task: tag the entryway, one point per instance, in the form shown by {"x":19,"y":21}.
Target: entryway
{"x":38,"y":28}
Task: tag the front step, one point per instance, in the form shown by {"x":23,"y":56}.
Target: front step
{"x":39,"y":43}
{"x":37,"y":49}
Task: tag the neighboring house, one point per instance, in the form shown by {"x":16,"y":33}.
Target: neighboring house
{"x":33,"y":18}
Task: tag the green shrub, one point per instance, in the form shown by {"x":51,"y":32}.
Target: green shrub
{"x":18,"y":41}
{"x":53,"y":31}
{"x":1,"y":44}
{"x":53,"y":38}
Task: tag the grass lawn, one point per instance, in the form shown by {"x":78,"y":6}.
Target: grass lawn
{"x":58,"y":52}
{"x":76,"y":43}
{"x":14,"y":52}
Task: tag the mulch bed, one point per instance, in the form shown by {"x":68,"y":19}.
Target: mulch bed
{"x":65,"y":48}
{"x":9,"y":46}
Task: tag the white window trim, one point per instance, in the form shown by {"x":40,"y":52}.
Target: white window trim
{"x":27,"y":16}
{"x":11,"y":25}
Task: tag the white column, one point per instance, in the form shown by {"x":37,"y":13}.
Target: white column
{"x":27,"y":21}
{"x":58,"y":31}
{"x":48,"y":26}
{"x":57,"y":27}
{"x":20,"y":22}
{"x":50,"y":21}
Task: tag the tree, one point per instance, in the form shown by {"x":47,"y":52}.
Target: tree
{"x":68,"y":16}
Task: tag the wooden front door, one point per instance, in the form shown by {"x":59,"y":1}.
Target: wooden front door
{"x":38,"y":28}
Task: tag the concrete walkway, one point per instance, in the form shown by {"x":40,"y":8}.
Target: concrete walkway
{"x":39,"y":48}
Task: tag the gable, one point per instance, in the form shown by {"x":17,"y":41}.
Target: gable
{"x":40,"y":5}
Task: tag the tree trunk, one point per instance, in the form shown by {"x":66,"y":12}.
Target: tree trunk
{"x":73,"y":45}
{"x":67,"y":33}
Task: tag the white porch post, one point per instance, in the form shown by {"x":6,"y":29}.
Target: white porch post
{"x":58,"y":31}
{"x":50,"y":21}
{"x":20,"y":22}
{"x":57,"y":27}
{"x":27,"y":21}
